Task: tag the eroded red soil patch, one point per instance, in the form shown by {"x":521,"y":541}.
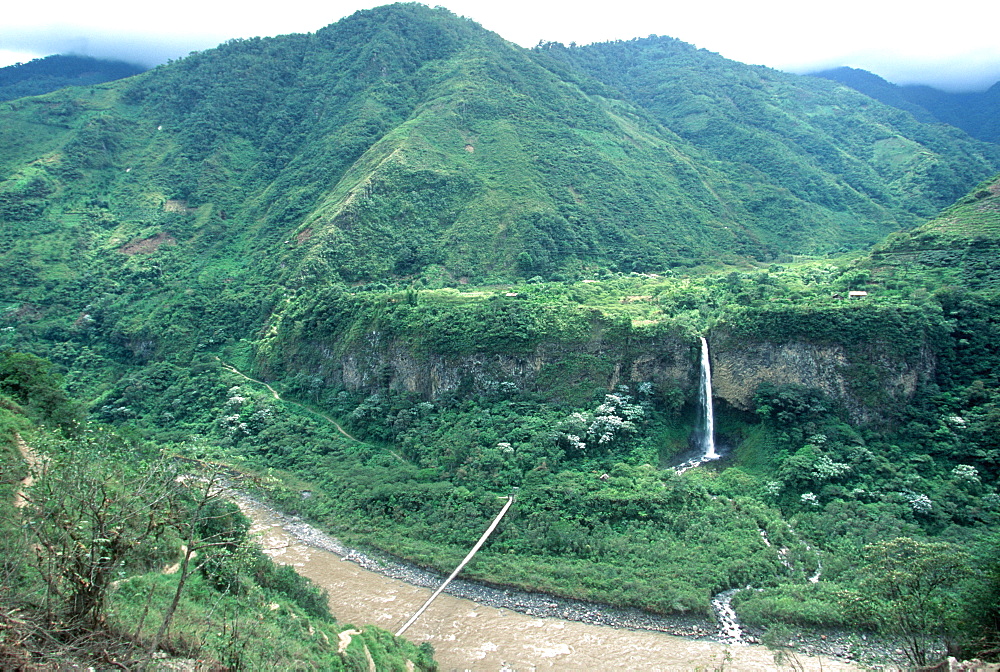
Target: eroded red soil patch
{"x":147,"y":245}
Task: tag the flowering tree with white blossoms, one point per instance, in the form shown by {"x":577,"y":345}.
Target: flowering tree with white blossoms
{"x":614,"y":419}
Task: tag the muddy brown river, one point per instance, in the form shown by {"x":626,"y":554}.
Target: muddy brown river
{"x":470,"y":636}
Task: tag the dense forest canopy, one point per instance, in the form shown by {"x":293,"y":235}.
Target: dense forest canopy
{"x":975,"y":112}
{"x":491,"y":267}
{"x":55,"y":72}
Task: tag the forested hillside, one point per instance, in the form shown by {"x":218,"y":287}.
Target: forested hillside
{"x":492,"y":267}
{"x":831,"y":158}
{"x":117,"y":553}
{"x":975,"y":112}
{"x":51,"y":73}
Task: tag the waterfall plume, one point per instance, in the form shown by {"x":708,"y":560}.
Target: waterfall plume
{"x":707,"y":413}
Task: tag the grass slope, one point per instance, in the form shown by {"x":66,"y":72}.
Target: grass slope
{"x":961,"y":246}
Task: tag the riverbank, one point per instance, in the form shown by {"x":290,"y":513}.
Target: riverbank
{"x":530,"y":604}
{"x":480,"y":627}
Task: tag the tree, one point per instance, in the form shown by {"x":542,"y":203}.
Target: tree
{"x":89,"y":517}
{"x":203,"y":497}
{"x":31,"y":381}
{"x":909,"y":588}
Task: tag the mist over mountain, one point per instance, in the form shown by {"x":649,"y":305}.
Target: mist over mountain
{"x":976,"y":113}
{"x":43,"y":75}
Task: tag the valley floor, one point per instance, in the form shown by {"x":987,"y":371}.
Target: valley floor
{"x":468,"y":635}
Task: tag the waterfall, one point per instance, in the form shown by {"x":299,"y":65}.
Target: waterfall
{"x":706,"y":433}
{"x":708,"y":428}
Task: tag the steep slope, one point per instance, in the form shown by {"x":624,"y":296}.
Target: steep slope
{"x":960,"y":247}
{"x":174,"y":209}
{"x":975,"y":112}
{"x":817,"y":165}
{"x":406,"y":137}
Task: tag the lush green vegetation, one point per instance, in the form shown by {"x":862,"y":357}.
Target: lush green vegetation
{"x":491,"y":267}
{"x":975,"y":112}
{"x":87,"y":550}
{"x":43,"y":75}
{"x":407,"y":143}
{"x":957,"y":248}
{"x":799,"y":132}
{"x":597,"y":517}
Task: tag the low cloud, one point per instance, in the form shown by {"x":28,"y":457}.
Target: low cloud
{"x":141,"y":49}
{"x":955,"y":68}
{"x":957,"y":74}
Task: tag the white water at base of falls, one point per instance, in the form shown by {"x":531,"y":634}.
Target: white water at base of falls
{"x":819,"y":572}
{"x":707,"y":412}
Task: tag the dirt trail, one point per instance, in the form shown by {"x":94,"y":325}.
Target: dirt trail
{"x":467,"y":635}
{"x":278,"y":397}
{"x":345,"y":639}
{"x":34,"y":464}
{"x":233,"y":369}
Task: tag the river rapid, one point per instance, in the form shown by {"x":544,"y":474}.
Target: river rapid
{"x":471,"y":635}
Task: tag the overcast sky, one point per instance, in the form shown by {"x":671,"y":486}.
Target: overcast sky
{"x":954,"y":45}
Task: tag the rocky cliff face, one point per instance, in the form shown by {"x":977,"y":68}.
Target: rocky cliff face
{"x":863,"y":377}
{"x":563,"y":371}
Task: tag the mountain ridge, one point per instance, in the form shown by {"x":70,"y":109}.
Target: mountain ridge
{"x":539,"y":175}
{"x":50,"y":73}
{"x":975,"y":112}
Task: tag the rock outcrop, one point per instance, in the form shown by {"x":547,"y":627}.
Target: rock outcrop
{"x":562,"y":370}
{"x":863,"y":377}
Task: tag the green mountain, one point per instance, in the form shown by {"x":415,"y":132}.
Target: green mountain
{"x":51,"y":73}
{"x":828,"y":154}
{"x":463,"y":266}
{"x":404,"y":138}
{"x":974,"y":112}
